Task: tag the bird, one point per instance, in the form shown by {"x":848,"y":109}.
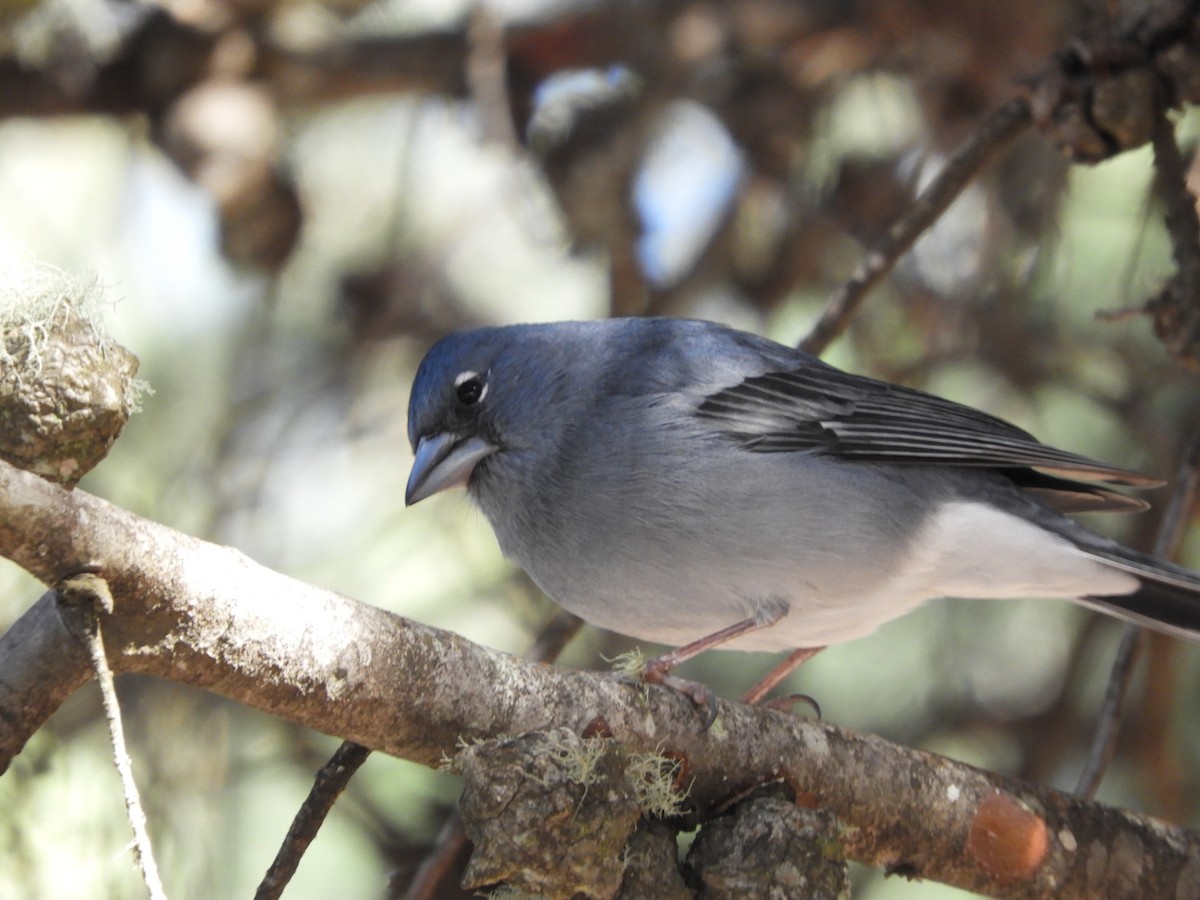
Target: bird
{"x":696,"y":486}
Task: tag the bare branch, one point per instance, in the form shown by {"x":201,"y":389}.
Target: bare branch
{"x":331,"y":781}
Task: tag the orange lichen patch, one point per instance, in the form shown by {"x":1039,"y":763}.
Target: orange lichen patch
{"x":1006,"y":839}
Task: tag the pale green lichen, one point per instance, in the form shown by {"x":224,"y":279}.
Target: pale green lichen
{"x":452,"y":763}
{"x":37,"y":298}
{"x":577,"y":759}
{"x":32,"y":297}
{"x":652,"y":778}
{"x":629,"y":663}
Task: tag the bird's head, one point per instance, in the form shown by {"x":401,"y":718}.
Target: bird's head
{"x":508,"y":398}
{"x":452,"y":412}
{"x":493,"y":392}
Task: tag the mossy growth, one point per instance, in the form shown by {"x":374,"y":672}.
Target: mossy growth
{"x":66,"y":387}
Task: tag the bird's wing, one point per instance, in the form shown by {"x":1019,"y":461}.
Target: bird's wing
{"x":821,"y":410}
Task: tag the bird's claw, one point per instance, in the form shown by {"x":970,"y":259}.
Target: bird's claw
{"x":787,"y":704}
{"x":702,"y":698}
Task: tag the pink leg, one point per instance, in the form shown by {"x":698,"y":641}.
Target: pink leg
{"x":663,"y":664}
{"x":657,"y":671}
{"x":780,"y":672}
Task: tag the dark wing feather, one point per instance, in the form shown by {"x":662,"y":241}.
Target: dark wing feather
{"x":819,"y":409}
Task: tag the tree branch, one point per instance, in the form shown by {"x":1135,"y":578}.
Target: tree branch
{"x":208,"y":616}
{"x":331,"y":781}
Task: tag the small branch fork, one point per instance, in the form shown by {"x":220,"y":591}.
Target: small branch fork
{"x":1107,"y":93}
{"x":82,"y":599}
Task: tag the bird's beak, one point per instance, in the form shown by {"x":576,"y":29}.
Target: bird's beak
{"x":443,"y":461}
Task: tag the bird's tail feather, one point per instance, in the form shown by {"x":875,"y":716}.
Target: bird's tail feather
{"x":1168,"y":599}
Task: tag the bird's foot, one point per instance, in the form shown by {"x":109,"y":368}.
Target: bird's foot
{"x":771,"y":680}
{"x":702,"y":698}
{"x":658,"y":671}
{"x":788,"y":704}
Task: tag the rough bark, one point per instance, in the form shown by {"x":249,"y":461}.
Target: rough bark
{"x":207,"y":615}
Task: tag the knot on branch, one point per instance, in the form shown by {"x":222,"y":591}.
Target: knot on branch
{"x":85,"y":595}
{"x":66,"y":387}
{"x":1104,"y":94}
{"x":1006,"y":839}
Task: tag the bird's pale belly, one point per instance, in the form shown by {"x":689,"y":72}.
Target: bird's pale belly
{"x":674,"y":599}
{"x":674,"y":592}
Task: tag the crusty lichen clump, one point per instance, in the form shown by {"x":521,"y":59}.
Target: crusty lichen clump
{"x":66,"y":387}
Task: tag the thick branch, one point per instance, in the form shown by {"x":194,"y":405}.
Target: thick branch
{"x":208,"y":616}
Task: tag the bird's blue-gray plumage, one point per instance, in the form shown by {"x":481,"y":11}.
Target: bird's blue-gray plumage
{"x":667,"y":478}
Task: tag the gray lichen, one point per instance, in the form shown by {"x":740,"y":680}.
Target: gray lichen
{"x":66,"y":387}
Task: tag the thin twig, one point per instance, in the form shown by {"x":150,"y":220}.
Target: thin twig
{"x":1133,"y":642}
{"x":438,"y":864}
{"x":556,"y":633}
{"x":550,"y":642}
{"x":1108,"y":725}
{"x":1181,"y":218}
{"x":1183,"y":224}
{"x":992,"y":135}
{"x":80,"y":599}
{"x":331,"y":780}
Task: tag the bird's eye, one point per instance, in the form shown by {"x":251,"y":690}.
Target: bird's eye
{"x":470,"y":388}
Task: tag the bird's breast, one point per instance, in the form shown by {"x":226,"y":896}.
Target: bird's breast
{"x":669,"y":548}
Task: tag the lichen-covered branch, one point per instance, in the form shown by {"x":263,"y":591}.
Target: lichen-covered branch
{"x":208,"y":616}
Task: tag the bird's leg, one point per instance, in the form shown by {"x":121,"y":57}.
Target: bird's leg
{"x":672,"y":658}
{"x":657,"y":671}
{"x":785,"y":668}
